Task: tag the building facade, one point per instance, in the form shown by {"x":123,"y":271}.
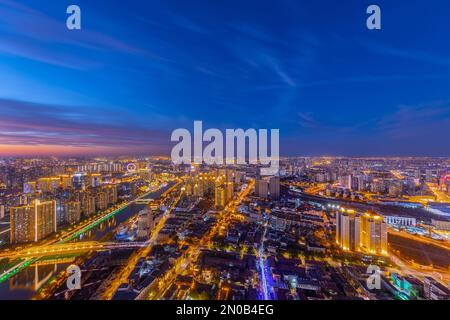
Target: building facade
{"x":33,"y":222}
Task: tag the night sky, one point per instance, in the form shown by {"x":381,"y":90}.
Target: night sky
{"x":139,"y":69}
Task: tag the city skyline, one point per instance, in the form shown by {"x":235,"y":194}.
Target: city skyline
{"x":147,"y":229}
{"x":137,"y":71}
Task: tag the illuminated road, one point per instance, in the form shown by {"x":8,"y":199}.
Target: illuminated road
{"x":262,"y":266}
{"x":442,"y":244}
{"x":397,"y":174}
{"x":440,"y":196}
{"x":417,"y":271}
{"x":111,"y":287}
{"x":68,"y":248}
{"x":316,"y":189}
{"x":158,"y":289}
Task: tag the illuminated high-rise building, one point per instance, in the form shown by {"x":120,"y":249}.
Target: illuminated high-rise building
{"x":95,"y":180}
{"x":79,"y":181}
{"x":111,"y":194}
{"x":229,"y":191}
{"x":33,"y":222}
{"x":44,"y":184}
{"x":374,"y":234}
{"x":145,"y":223}
{"x":72,"y":212}
{"x":348,"y":230}
{"x":274,"y":188}
{"x":88,"y":205}
{"x":220,"y":196}
{"x":346,"y":181}
{"x":66,"y":181}
{"x":367,"y":232}
{"x":101,"y":201}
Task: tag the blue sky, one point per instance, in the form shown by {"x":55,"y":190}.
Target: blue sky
{"x":139,"y":69}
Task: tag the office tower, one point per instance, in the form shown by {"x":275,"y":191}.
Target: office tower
{"x":374,"y":234}
{"x":145,"y":223}
{"x":348,"y":230}
{"x":261,"y":188}
{"x":274,"y":188}
{"x":220,"y":196}
{"x":32,"y":222}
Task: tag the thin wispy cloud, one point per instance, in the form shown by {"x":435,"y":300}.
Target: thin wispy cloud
{"x":188,"y":24}
{"x":32,"y":34}
{"x":426,"y":120}
{"x":408,"y":54}
{"x":306,"y":120}
{"x":36,"y":124}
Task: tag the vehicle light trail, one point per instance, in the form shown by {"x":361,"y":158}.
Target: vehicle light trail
{"x":263,"y":276}
{"x":262,"y":267}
